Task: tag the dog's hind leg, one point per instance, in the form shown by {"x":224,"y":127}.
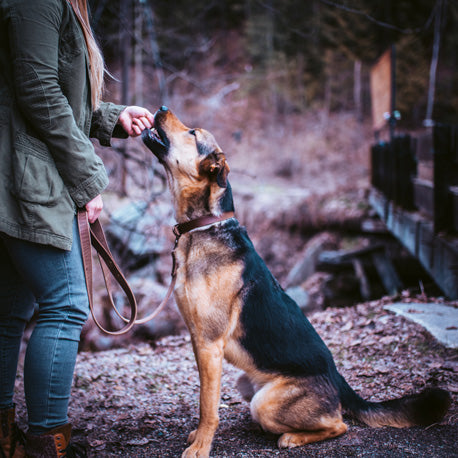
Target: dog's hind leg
{"x":246,"y":387}
{"x":332,"y":427}
{"x":300,"y":410}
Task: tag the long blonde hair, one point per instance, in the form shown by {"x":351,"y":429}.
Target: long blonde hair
{"x":96,"y":63}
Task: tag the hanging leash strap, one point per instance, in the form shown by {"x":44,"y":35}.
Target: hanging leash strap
{"x":93,"y":234}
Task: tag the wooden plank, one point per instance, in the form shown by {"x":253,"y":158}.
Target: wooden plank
{"x":425,"y":241}
{"x":306,"y":266}
{"x":424,"y":196}
{"x":405,"y":229}
{"x":445,"y":175}
{"x":380,"y":83}
{"x":405,"y":168}
{"x":425,"y":149}
{"x":386,"y":272}
{"x":454,"y":194}
{"x":425,"y":170}
{"x":345,"y":256}
{"x":445,"y":266}
{"x":454,"y":145}
{"x":364,"y":286}
{"x":438,"y":254}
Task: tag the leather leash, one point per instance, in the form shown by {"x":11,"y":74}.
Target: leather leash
{"x":93,"y":234}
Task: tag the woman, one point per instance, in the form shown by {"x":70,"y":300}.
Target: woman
{"x":51,"y":74}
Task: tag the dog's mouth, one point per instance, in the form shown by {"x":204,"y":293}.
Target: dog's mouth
{"x":156,"y":140}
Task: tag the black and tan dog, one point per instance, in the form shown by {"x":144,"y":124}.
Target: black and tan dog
{"x":235,"y":309}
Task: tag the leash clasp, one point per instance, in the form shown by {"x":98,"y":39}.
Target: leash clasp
{"x":177,"y":233}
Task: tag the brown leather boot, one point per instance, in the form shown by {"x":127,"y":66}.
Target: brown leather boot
{"x":11,"y":438}
{"x":53,"y":444}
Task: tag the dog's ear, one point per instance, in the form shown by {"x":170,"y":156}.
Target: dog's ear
{"x":214,"y":165}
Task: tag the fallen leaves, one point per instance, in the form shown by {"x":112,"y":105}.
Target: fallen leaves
{"x":143,"y":400}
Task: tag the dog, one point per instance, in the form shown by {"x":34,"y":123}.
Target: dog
{"x":235,"y":309}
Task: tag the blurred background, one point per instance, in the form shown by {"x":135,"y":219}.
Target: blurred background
{"x":285,"y":87}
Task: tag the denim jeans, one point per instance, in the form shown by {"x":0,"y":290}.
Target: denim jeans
{"x":54,"y":279}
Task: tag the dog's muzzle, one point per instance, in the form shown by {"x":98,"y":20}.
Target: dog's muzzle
{"x":154,"y":142}
{"x":155,"y":139}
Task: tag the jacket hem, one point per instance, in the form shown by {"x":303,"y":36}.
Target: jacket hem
{"x":35,"y":236}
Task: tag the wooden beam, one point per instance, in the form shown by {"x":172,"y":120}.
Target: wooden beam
{"x":437,"y":253}
{"x":386,"y":272}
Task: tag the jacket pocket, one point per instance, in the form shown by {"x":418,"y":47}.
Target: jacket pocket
{"x":35,"y":176}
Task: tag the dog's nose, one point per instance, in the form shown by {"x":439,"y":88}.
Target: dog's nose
{"x":164,"y":108}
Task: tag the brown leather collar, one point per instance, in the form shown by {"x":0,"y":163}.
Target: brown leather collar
{"x":182,"y":228}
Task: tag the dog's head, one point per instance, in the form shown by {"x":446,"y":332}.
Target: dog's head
{"x":195,"y":164}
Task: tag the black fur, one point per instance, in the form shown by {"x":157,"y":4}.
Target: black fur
{"x":226,"y":202}
{"x":276,"y":333}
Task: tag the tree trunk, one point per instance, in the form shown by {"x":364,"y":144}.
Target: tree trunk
{"x":125,"y":47}
{"x":138,"y":54}
{"x":357,"y":86}
{"x":434,"y":60}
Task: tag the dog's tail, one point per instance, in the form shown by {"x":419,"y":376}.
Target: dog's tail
{"x":421,"y":409}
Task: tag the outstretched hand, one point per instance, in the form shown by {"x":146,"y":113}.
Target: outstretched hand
{"x":134,"y":120}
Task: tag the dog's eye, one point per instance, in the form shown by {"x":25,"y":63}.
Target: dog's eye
{"x":192,"y":132}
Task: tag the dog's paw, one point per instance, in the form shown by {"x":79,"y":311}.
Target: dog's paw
{"x":196,"y":452}
{"x":291,"y":440}
{"x":192,"y":437}
{"x":199,"y":446}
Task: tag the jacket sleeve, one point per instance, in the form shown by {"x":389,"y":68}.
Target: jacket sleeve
{"x":33,"y":32}
{"x":104,"y":123}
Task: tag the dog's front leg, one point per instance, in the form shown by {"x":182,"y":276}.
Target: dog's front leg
{"x":209,"y":357}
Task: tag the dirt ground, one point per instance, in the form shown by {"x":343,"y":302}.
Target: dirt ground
{"x":142,"y":401}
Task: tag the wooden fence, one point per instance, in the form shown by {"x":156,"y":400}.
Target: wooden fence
{"x":421,"y":173}
{"x":415,"y":192}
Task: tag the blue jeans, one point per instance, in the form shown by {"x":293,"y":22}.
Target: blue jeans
{"x":54,"y":279}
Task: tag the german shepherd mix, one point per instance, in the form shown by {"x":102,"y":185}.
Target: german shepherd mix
{"x":235,"y":309}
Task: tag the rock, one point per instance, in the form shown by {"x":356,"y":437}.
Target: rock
{"x":149,"y":295}
{"x":300,"y":296}
{"x":315,"y":286}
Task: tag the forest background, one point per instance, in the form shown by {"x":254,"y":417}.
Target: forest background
{"x":247,"y":68}
{"x":285,"y":88}
{"x":291,"y":56}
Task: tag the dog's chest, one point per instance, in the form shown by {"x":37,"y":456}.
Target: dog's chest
{"x":208,"y":288}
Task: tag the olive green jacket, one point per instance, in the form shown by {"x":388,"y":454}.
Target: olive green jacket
{"x":48,"y":166}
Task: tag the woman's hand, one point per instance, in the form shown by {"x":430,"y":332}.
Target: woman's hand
{"x":134,"y":120}
{"x":94,"y":208}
